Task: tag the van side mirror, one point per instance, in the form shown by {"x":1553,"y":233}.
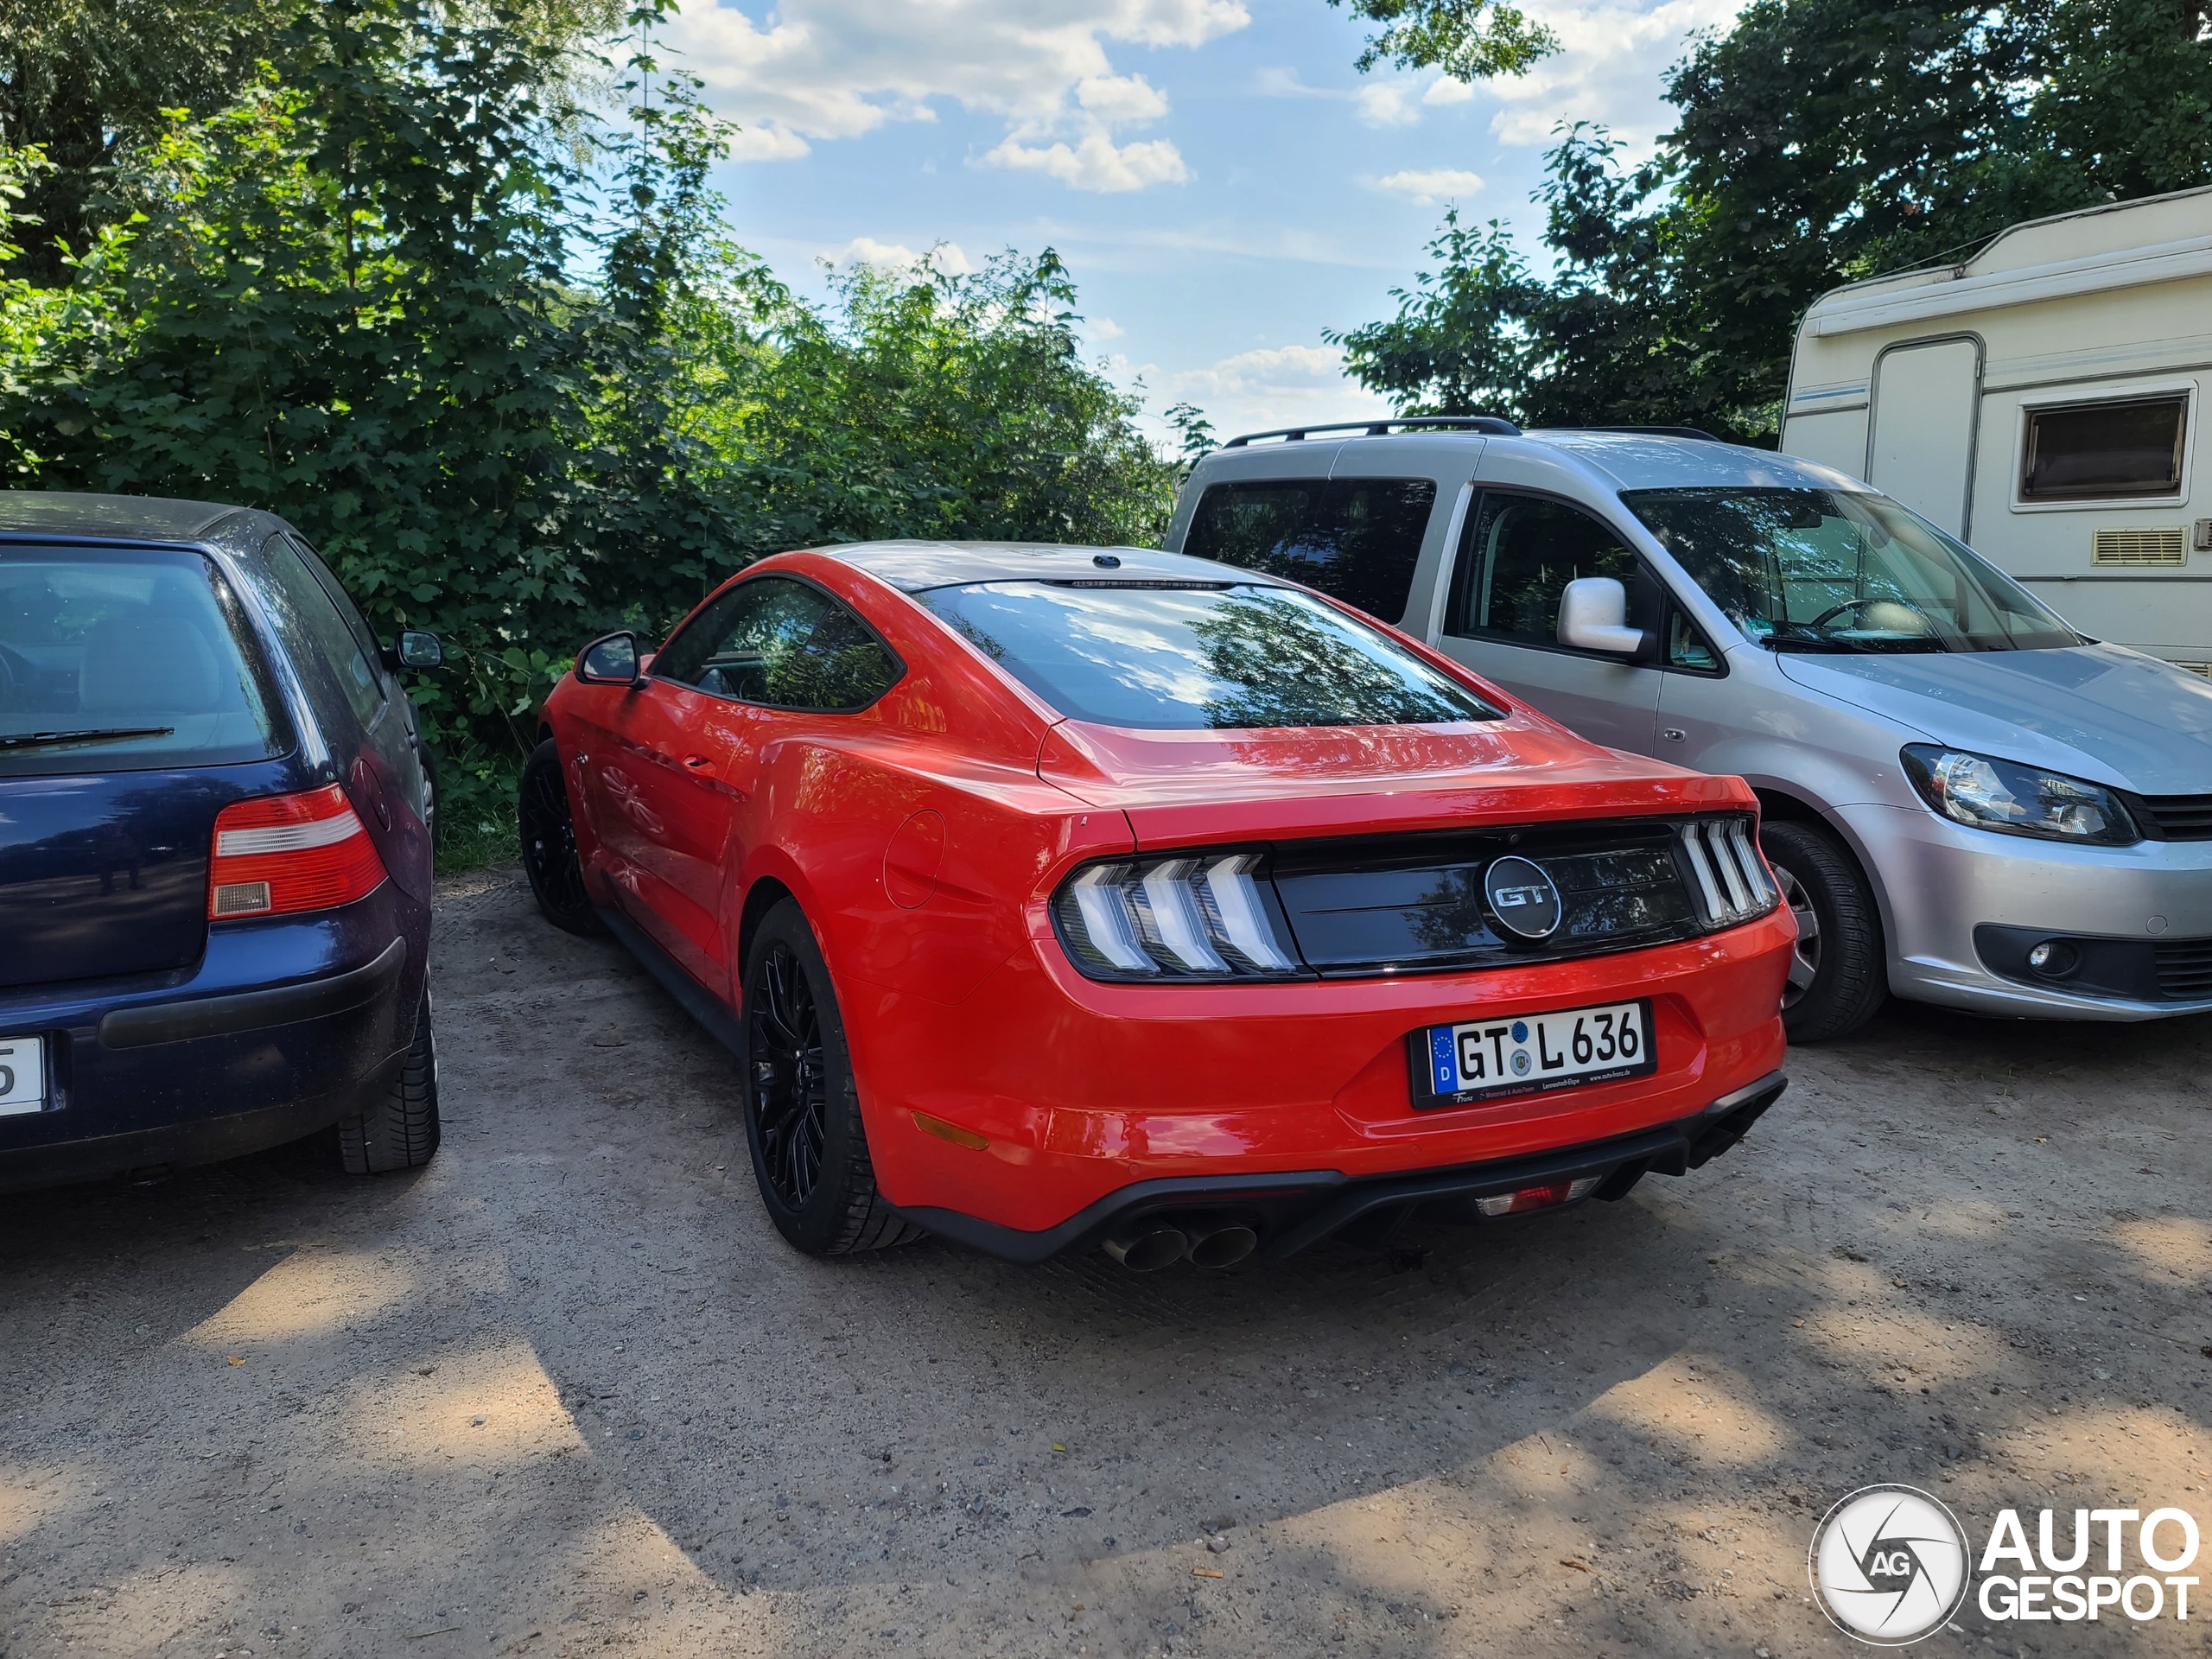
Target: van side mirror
{"x":415,"y":648}
{"x":1593,"y":616}
{"x":610,"y":659}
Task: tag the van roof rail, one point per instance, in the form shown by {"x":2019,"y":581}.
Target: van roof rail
{"x":1492,"y":425}
{"x":1697,"y":433}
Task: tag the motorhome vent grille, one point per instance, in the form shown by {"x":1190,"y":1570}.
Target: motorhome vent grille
{"x":2204,"y":669}
{"x":2161,"y":547}
{"x":2204,"y":535}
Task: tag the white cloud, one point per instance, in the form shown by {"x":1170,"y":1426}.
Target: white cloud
{"x":1096,"y":163}
{"x":1265,"y":389}
{"x":1611,"y":58}
{"x":814,"y":70}
{"x":897,"y":256}
{"x":1387,"y":104}
{"x":1444,"y":90}
{"x":1429,"y":185}
{"x":1102,"y":329}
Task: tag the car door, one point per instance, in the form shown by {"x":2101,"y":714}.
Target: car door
{"x":1516,"y":555}
{"x":767,"y":655}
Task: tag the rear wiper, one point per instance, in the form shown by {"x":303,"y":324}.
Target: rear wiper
{"x":48,"y":740}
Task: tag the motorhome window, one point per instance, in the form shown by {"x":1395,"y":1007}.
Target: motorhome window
{"x":2104,"y":452}
{"x":1356,"y":539}
{"x":1840,"y":570}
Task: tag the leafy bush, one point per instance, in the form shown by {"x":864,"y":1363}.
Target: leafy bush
{"x":504,"y":365}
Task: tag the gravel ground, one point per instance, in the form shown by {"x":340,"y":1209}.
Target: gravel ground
{"x":566,"y":1390}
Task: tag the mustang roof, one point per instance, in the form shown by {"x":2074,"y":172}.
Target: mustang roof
{"x":913,"y":567}
{"x":141,"y":517}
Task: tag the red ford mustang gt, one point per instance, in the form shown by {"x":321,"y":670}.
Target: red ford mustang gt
{"x":1056,"y":897}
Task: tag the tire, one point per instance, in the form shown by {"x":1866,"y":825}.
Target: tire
{"x":549,"y":845}
{"x":401,"y":1130}
{"x":802,"y":1108}
{"x":1839,"y":975}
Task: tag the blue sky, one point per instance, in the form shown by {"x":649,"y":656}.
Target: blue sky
{"x":1222,"y":183}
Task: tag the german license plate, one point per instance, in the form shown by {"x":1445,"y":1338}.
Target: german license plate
{"x":1531,"y":1054}
{"x":22,"y":1075}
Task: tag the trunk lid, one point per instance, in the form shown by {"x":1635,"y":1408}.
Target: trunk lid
{"x":104,"y":874}
{"x":1180,"y":787}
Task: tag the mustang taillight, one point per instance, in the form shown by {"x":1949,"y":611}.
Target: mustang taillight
{"x":278,"y":853}
{"x":1730,"y":882}
{"x":1188,"y":916}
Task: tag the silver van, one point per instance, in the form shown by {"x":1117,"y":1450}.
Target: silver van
{"x":1966,"y":802}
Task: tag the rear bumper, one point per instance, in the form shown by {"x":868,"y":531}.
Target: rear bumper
{"x":1042,"y":1098}
{"x":284,"y":1026}
{"x":1294,"y":1211}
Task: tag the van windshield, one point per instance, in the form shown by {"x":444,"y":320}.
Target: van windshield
{"x":125,"y":660}
{"x":1801,"y":569}
{"x":1187,"y":656}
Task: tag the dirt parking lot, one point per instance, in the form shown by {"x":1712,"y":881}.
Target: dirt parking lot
{"x":567,"y":1391}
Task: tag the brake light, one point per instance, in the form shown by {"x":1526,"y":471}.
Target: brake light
{"x":280,"y":853}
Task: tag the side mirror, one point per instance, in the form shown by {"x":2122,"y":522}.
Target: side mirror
{"x":1593,"y":616}
{"x":415,"y":648}
{"x":610,"y":659}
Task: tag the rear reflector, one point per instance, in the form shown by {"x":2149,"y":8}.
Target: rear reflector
{"x":1537,"y":1198}
{"x":282,"y":853}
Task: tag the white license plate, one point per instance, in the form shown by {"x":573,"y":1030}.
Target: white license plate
{"x":22,"y":1075}
{"x":1531,"y":1054}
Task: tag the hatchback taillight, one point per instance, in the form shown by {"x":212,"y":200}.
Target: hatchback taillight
{"x":280,"y":853}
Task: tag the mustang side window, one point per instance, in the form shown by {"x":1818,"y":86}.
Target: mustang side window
{"x":784,"y":643}
{"x":1357,"y":539}
{"x":1522,"y":551}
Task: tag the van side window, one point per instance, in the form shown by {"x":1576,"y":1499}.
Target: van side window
{"x":2103,"y":452}
{"x":1357,"y":539}
{"x":1686,"y":646}
{"x":1520,"y":553}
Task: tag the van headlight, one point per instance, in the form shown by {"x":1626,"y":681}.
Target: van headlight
{"x":2017,"y":800}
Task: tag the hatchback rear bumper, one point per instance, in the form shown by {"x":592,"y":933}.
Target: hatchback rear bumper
{"x":283,"y":1028}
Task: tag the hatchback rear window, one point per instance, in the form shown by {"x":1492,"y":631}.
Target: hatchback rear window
{"x":1185,"y":657}
{"x":125,"y":660}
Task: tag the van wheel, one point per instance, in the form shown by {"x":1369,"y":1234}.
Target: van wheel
{"x":549,"y":845}
{"x":400,"y":1131}
{"x":1838,"y":976}
{"x":802,"y":1108}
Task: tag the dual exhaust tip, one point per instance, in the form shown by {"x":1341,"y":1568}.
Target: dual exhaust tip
{"x":1151,"y":1245}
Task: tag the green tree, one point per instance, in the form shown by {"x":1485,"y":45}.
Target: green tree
{"x":1818,"y":142}
{"x":1468,"y":40}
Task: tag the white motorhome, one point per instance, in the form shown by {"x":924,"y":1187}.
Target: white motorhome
{"x":2041,"y":402}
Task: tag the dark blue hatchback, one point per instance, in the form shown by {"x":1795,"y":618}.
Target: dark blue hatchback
{"x":215,"y":837}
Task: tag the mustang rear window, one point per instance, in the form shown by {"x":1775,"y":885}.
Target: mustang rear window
{"x":125,"y":660}
{"x":1237,"y":657}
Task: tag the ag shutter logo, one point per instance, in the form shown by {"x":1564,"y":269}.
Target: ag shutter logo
{"x":1890,"y":1565}
{"x":1523,"y":897}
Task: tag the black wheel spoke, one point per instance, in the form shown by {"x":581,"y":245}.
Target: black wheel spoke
{"x":789,"y":1085}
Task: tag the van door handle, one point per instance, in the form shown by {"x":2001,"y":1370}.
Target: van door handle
{"x":698,"y":763}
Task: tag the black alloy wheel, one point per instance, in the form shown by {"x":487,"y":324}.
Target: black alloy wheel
{"x":789,"y":1083}
{"x":549,"y":845}
{"x":802,"y":1107}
